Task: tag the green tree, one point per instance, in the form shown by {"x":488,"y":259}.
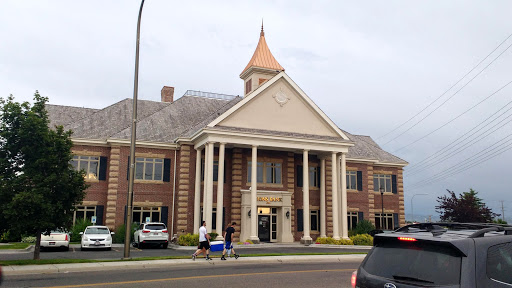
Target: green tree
{"x":468,"y":207}
{"x":38,"y":187}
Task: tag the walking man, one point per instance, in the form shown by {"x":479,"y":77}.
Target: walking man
{"x":229,"y":237}
{"x":204,"y":243}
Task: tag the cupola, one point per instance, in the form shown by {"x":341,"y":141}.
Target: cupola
{"x":261,"y":67}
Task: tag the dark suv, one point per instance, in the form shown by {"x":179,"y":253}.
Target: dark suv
{"x":439,"y":255}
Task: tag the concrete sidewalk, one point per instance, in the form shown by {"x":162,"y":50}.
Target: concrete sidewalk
{"x":104,"y":266}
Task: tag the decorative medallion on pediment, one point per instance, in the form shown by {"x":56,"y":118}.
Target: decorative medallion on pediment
{"x":281,"y":97}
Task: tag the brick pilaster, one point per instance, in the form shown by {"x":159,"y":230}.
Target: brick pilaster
{"x":184,"y":213}
{"x":113,"y":185}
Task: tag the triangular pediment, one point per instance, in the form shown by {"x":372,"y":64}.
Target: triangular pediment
{"x":279,"y":105}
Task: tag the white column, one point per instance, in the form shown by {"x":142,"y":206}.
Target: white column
{"x":340,"y":221}
{"x":305,"y":194}
{"x":205,"y":186}
{"x":220,"y":192}
{"x":209,"y":194}
{"x":254,"y":208}
{"x":197,"y":192}
{"x":344,"y":207}
{"x":323,"y":213}
{"x":335,"y":227}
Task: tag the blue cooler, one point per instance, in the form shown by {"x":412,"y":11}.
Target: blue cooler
{"x":216,"y":246}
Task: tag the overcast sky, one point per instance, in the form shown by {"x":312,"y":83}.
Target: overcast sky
{"x":369,"y":65}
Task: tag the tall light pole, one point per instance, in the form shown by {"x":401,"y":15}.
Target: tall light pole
{"x":381,"y":189}
{"x":412,"y":210}
{"x":129,"y":201}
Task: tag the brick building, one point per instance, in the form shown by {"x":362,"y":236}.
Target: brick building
{"x":271,"y":161}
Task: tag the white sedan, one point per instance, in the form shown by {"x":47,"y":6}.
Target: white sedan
{"x":56,"y":239}
{"x":95,"y":237}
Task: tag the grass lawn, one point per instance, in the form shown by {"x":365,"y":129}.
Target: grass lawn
{"x":16,"y":246}
{"x":66,"y":261}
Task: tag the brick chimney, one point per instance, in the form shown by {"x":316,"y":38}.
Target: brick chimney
{"x":167,"y":94}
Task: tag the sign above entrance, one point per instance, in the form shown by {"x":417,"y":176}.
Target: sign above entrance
{"x":270,"y":199}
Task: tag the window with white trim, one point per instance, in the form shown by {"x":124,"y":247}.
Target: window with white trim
{"x":315,"y":220}
{"x":89,"y":164}
{"x":84,"y":213}
{"x":352,"y":180}
{"x":149,"y":168}
{"x":384,"y":221}
{"x":272,"y":174}
{"x":381,"y":180}
{"x":141,"y":213}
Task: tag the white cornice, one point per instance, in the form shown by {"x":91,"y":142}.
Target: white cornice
{"x":270,"y":141}
{"x":123,"y":142}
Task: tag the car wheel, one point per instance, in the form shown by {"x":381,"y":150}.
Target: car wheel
{"x":165,"y":245}
{"x":82,"y":249}
{"x":66,"y":248}
{"x":109,"y":248}
{"x":139,"y":245}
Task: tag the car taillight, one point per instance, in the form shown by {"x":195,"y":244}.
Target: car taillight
{"x":145,"y":231}
{"x":406,"y":239}
{"x":67,"y":237}
{"x":164,"y":231}
{"x":353,"y":279}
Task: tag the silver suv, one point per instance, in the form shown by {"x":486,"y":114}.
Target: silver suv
{"x":154,"y":234}
{"x":439,"y":255}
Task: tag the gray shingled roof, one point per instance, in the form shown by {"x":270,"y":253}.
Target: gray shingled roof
{"x":366,"y":148}
{"x":62,"y":115}
{"x":164,"y":122}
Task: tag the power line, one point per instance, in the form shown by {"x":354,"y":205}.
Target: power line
{"x":472,"y":69}
{"x":466,"y":145}
{"x":465,"y":164}
{"x":471,"y":108}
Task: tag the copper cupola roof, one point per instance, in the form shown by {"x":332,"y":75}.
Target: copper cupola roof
{"x":262,"y":57}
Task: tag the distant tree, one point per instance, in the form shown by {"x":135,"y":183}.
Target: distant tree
{"x":499,"y":221}
{"x":468,"y":207}
{"x":38,"y":187}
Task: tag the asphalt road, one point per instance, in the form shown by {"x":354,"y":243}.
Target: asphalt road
{"x":118,"y":252}
{"x":330,"y":272}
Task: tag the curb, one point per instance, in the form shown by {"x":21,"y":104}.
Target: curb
{"x":103,"y":266}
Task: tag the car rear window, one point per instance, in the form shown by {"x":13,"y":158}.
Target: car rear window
{"x":410,"y":262}
{"x":499,"y":263}
{"x":155,"y":226}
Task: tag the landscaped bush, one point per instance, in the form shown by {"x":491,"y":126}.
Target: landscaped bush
{"x":364,"y":227}
{"x":213,"y":236}
{"x":362,"y":239}
{"x":331,"y":241}
{"x":9,"y":237}
{"x":121,"y":233}
{"x":28,"y":239}
{"x":188,"y":240}
{"x":79,"y":226}
{"x":247,"y":242}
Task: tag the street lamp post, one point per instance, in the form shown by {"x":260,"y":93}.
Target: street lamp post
{"x":381,"y":189}
{"x":129,"y":200}
{"x":412,"y":210}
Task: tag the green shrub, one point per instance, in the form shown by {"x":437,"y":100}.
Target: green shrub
{"x":213,"y":236}
{"x":28,"y":239}
{"x":79,"y":226}
{"x":362,"y":239}
{"x":363,"y":227}
{"x":332,"y":241}
{"x":121,"y":231}
{"x":188,"y":240}
{"x":9,"y":236}
{"x":344,"y":242}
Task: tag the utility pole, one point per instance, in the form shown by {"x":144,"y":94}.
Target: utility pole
{"x":502,"y":210}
